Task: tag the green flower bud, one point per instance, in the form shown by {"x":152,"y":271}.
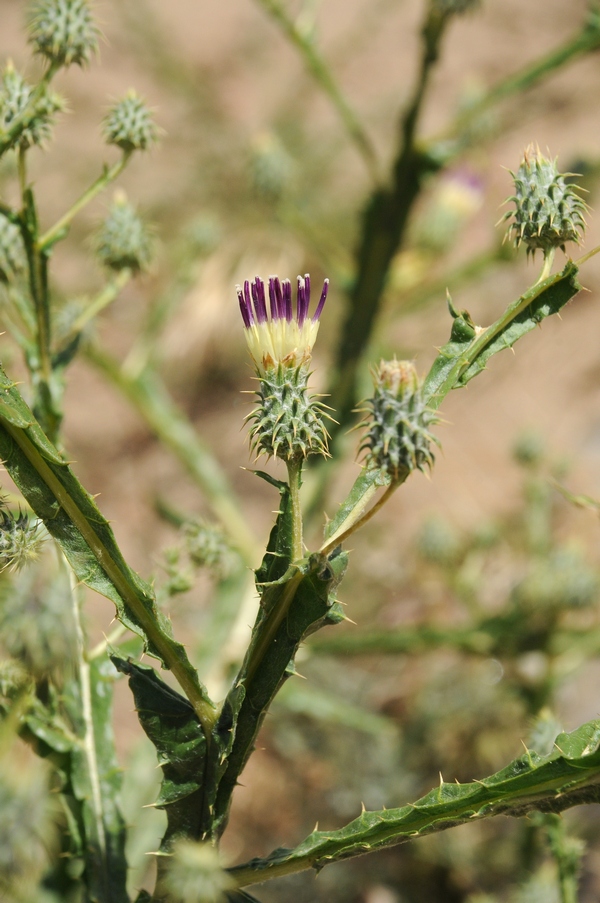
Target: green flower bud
{"x":195,"y":874}
{"x":64,"y":31}
{"x":549,"y":212}
{"x":124,"y":241}
{"x":15,"y":94}
{"x":129,"y":124}
{"x":287,"y":422}
{"x":12,"y":250}
{"x":397,"y":438}
{"x":20,"y":539}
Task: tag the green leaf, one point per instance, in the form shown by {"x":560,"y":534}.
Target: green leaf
{"x":278,"y":555}
{"x":470,"y":348}
{"x":569,"y":776}
{"x":72,"y":518}
{"x":173,"y":727}
{"x":292,"y":608}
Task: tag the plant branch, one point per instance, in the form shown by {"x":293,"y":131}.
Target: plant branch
{"x":108,"y":175}
{"x":322,"y":75}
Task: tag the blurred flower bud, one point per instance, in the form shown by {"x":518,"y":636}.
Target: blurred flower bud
{"x":129,"y":124}
{"x":548,"y":212}
{"x":15,"y":95}
{"x":36,"y":623}
{"x":12,"y":250}
{"x":64,"y":31}
{"x":124,"y":241}
{"x":195,"y":874}
{"x":397,"y":438}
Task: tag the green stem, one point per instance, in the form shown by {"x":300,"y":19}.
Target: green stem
{"x":294,"y":469}
{"x":358,"y":518}
{"x":322,"y":75}
{"x":383,"y":227}
{"x":204,"y":709}
{"x":583,"y":41}
{"x":102,"y":300}
{"x":89,"y":739}
{"x":547,"y":266}
{"x":108,"y":175}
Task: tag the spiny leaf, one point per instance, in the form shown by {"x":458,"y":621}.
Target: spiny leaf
{"x":300,"y":602}
{"x":470,"y":349}
{"x":567,"y":777}
{"x":173,"y":727}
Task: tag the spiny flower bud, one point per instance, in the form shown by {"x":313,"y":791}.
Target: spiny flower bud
{"x":129,"y":124}
{"x":12,"y":250}
{"x":287,"y":422}
{"x":64,"y":31}
{"x":15,"y":95}
{"x":124,"y":241}
{"x":195,"y":874}
{"x":20,"y":539}
{"x":548,"y":212}
{"x":397,"y":436}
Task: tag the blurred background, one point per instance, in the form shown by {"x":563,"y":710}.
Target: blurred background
{"x":263,"y":168}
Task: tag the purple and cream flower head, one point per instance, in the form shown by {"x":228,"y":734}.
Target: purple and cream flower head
{"x":276,"y":335}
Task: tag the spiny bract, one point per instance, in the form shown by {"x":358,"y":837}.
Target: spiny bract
{"x":287,"y":421}
{"x":64,"y":31}
{"x":397,"y":438}
{"x":15,"y":95}
{"x":129,"y":124}
{"x":549,"y":212}
{"x":123,"y":240}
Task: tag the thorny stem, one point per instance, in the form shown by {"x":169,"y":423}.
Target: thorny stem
{"x":108,"y":175}
{"x":294,"y":469}
{"x":383,"y":225}
{"x":345,"y":531}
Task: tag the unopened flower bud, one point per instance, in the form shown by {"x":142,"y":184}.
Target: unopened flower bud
{"x":397,"y":438}
{"x":15,"y":95}
{"x":549,"y":212}
{"x":124,"y":241}
{"x":129,"y":124}
{"x":195,"y":874}
{"x":64,"y":31}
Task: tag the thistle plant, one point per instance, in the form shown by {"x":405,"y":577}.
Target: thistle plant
{"x":64,"y":834}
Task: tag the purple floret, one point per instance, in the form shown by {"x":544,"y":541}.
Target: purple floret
{"x":322,"y":300}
